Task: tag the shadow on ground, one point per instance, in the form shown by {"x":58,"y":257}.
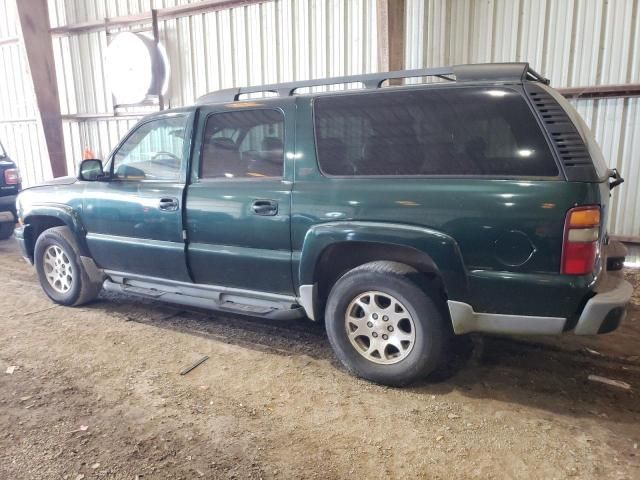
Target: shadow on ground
{"x":547,"y":374}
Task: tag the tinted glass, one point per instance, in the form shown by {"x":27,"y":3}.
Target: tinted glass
{"x":154,"y":151}
{"x":246,"y":144}
{"x":441,"y":131}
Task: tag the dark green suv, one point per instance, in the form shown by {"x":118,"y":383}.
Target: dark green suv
{"x":474,"y":201}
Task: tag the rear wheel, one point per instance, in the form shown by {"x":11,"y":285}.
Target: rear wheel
{"x":60,"y":271}
{"x":383,"y":326}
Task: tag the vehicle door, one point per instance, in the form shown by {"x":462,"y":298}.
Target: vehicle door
{"x":134,"y":220}
{"x":238,"y":204}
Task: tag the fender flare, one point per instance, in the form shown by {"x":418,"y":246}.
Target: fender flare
{"x":63,"y":213}
{"x":441,"y":249}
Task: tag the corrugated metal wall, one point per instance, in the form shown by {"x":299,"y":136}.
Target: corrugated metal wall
{"x":20,"y":129}
{"x":270,"y":42}
{"x":572,"y":42}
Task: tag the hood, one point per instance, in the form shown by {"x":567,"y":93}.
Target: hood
{"x":57,"y":181}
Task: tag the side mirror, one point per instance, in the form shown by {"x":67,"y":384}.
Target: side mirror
{"x":91,"y":170}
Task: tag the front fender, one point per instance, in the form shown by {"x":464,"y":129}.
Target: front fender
{"x":62,"y":213}
{"x":441,"y":249}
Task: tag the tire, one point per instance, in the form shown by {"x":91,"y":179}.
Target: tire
{"x":6,"y":230}
{"x":397,"y":360}
{"x":71,"y":286}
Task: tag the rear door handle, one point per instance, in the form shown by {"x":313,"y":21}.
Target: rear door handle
{"x":168,"y":204}
{"x":267,"y":208}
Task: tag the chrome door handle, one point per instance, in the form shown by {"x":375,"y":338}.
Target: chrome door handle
{"x":168,"y":204}
{"x":267,"y":208}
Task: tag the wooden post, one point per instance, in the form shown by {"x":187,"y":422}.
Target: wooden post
{"x":34,"y":20}
{"x":391,"y":34}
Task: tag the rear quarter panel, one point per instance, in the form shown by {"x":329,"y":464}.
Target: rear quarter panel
{"x":487,"y":219}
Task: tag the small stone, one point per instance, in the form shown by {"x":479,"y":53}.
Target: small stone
{"x":452,"y":416}
{"x":95,"y":465}
{"x":439,"y":437}
{"x":11,"y":369}
{"x":80,"y":476}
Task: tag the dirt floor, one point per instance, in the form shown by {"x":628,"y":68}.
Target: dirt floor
{"x":96,"y":393}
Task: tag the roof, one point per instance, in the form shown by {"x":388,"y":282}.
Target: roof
{"x":481,"y":72}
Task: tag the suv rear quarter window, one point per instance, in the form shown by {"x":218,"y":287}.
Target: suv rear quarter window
{"x":479,"y":131}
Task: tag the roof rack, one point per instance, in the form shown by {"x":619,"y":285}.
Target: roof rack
{"x":456,"y":73}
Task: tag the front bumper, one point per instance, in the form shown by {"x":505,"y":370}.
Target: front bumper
{"x":19,"y":235}
{"x":606,"y":309}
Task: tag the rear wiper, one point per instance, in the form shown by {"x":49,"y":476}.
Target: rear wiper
{"x":617,"y":179}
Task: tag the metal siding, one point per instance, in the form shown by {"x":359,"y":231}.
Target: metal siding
{"x":572,"y":42}
{"x":20,"y":127}
{"x":275,"y":41}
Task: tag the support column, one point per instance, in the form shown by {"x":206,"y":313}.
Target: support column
{"x":34,"y":20}
{"x":391,"y":34}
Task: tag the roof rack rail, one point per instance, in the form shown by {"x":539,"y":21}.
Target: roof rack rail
{"x":457,"y":73}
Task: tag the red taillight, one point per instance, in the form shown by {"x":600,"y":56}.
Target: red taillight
{"x":581,"y":234}
{"x":11,"y":176}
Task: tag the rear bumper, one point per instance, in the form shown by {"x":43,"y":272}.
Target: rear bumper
{"x":7,"y":217}
{"x":602,"y":313}
{"x":8,"y":202}
{"x":606,"y":309}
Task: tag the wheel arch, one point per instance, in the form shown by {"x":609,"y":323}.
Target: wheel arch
{"x":43,"y":217}
{"x":331,"y":250}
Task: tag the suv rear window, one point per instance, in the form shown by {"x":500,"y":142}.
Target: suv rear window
{"x":441,"y":131}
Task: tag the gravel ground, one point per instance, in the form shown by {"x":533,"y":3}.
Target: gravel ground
{"x":96,"y":393}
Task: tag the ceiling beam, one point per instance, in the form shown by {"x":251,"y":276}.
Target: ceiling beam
{"x":34,"y":20}
{"x":602,"y":91}
{"x":168,"y":13}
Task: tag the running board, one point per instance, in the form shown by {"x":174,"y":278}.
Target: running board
{"x":244,"y":302}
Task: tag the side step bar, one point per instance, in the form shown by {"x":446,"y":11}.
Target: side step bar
{"x":244,"y":302}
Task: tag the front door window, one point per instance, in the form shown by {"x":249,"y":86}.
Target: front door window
{"x":154,"y":151}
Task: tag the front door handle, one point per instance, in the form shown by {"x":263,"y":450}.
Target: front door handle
{"x":267,"y":208}
{"x":168,"y":204}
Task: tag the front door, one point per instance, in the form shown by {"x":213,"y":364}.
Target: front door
{"x":239,"y":201}
{"x":134,"y":221}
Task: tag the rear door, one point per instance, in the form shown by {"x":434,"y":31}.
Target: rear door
{"x":134,"y":221}
{"x":239,"y":201}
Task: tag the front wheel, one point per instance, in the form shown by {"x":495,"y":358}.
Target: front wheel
{"x":383,"y":326}
{"x":60,"y":271}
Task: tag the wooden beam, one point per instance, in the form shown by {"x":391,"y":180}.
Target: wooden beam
{"x":602,"y":91}
{"x":9,"y":41}
{"x":391,"y":34}
{"x":34,"y":20}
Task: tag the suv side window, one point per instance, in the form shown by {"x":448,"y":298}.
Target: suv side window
{"x":243,"y":144}
{"x":437,"y":131}
{"x":154,"y":151}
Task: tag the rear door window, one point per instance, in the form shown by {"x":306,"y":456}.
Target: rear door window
{"x":243,"y":144}
{"x":442,"y":131}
